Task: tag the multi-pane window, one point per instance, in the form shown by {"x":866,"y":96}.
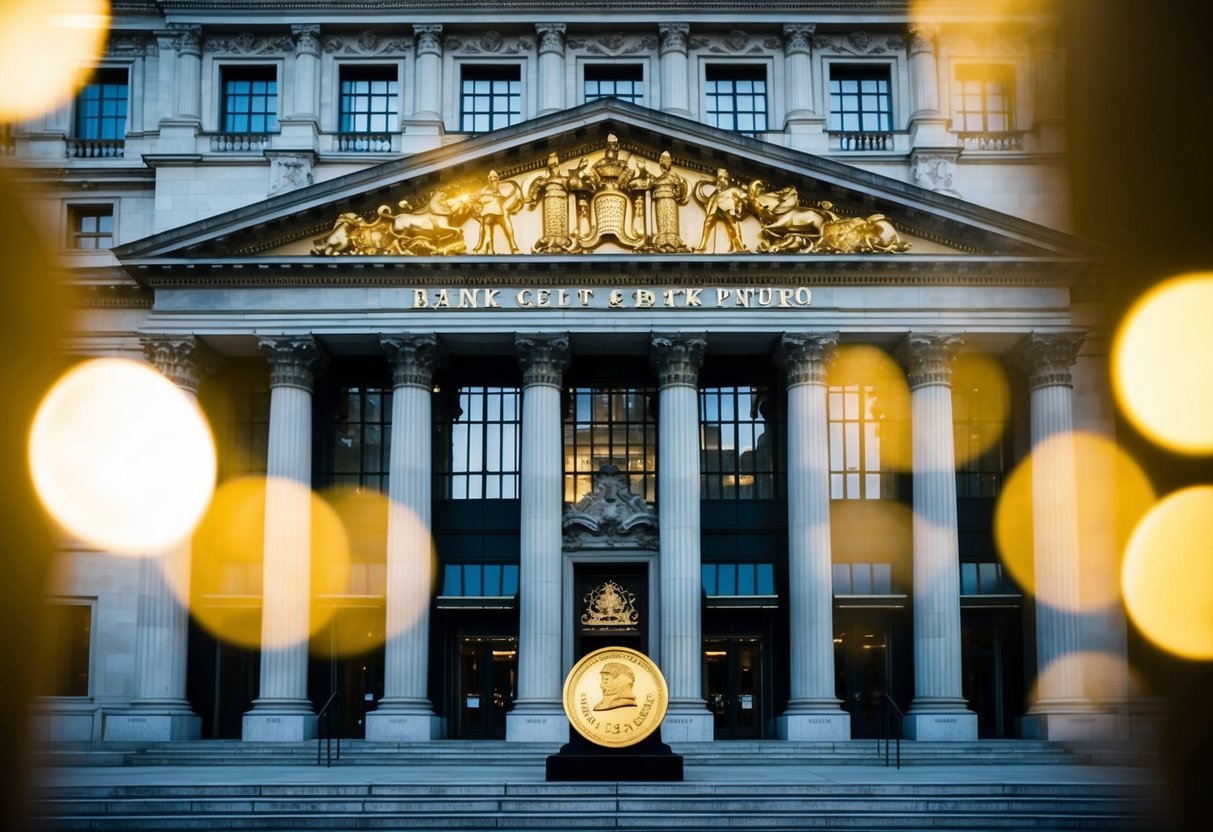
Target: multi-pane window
{"x":90,"y":227}
{"x":490,"y":97}
{"x":368,"y":99}
{"x":101,"y":106}
{"x":622,"y":81}
{"x":482,"y":457}
{"x":860,"y":99}
{"x":982,"y":98}
{"x":979,"y":432}
{"x":361,"y":433}
{"x":736,"y":97}
{"x":855,"y":463}
{"x":248,"y":432}
{"x":250,"y":99}
{"x":738,"y":579}
{"x":65,"y":661}
{"x":736,"y":455}
{"x":610,"y":426}
{"x":492,"y":580}
{"x":985,"y":578}
{"x":863,"y":578}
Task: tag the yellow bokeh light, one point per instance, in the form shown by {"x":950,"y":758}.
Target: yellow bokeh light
{"x":879,"y":397}
{"x":1112,"y":493}
{"x":52,"y":47}
{"x":1101,"y":676}
{"x":121,"y":457}
{"x":938,"y":11}
{"x":1160,"y":364}
{"x":981,"y":400}
{"x":1168,"y":573}
{"x":227,"y":575}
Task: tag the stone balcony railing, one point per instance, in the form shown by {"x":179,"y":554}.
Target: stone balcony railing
{"x":1005,"y":140}
{"x":239,"y":142}
{"x":362,"y":142}
{"x":95,"y":148}
{"x":861,"y":141}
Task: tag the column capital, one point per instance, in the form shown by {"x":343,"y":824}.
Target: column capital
{"x":307,"y":39}
{"x":184,"y":360}
{"x":295,"y":360}
{"x":414,"y":358}
{"x":551,"y":37}
{"x":187,"y":39}
{"x":542,"y":357}
{"x":428,"y":35}
{"x":797,"y":38}
{"x":805,"y":357}
{"x":677,"y":358}
{"x":1047,"y":358}
{"x":673,"y":37}
{"x":922,"y":38}
{"x":927,"y":357}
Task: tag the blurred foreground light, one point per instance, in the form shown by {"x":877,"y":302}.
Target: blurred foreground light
{"x":1168,"y":573}
{"x":121,"y":457}
{"x":878,"y":398}
{"x":1112,"y":494}
{"x":1160,"y":364}
{"x":1101,"y":676}
{"x":937,"y":11}
{"x":52,"y":47}
{"x":982,"y":401}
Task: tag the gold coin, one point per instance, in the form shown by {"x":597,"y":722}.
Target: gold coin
{"x":615,"y":697}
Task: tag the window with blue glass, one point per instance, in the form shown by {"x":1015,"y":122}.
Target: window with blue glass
{"x":250,"y":99}
{"x":863,"y":579}
{"x":736,"y":97}
{"x":471,"y":580}
{"x":737,"y":460}
{"x":481,"y":458}
{"x":490,"y":97}
{"x":361,"y":438}
{"x":610,"y":426}
{"x":985,"y":578}
{"x":738,"y":579}
{"x":622,"y":81}
{"x":368,"y":99}
{"x":101,"y":106}
{"x":861,"y":100}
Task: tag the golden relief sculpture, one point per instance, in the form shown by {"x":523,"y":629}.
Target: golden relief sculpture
{"x":611,"y":201}
{"x":615,"y":697}
{"x":610,"y":605}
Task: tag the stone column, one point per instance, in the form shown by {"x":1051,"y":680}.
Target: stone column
{"x":804,"y":127}
{"x":538,"y":714}
{"x":938,"y":711}
{"x":405,"y":713}
{"x":676,"y":359}
{"x":1061,"y":710}
{"x":675,"y":97}
{"x":159,"y":711}
{"x":283,"y":712}
{"x":814,"y":711}
{"x":423,"y":129}
{"x":166,"y":74}
{"x":928,"y":127}
{"x":1048,"y":89}
{"x":551,"y":67}
{"x":306,"y":100}
{"x":189,"y":71}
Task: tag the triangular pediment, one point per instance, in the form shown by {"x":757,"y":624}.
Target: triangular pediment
{"x":602,"y":180}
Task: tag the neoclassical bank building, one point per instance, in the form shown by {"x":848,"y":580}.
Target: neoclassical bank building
{"x":710,"y":332}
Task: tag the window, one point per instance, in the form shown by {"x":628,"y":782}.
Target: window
{"x":361,"y":433}
{"x":368,"y":99}
{"x":66,"y":660}
{"x":101,"y":106}
{"x":980,"y":429}
{"x":855,"y":469}
{"x":983,"y":98}
{"x":250,"y":99}
{"x":493,"y":580}
{"x":622,"y":81}
{"x":736,"y":97}
{"x":90,"y":227}
{"x":738,"y":579}
{"x":863,"y":579}
{"x":736,"y":457}
{"x":490,"y":97}
{"x":985,"y":579}
{"x":610,"y":426}
{"x":249,"y":432}
{"x":482,"y":458}
{"x":860,"y":101}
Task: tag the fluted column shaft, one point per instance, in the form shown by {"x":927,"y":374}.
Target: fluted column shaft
{"x":189,"y":71}
{"x":551,"y":67}
{"x":427,"y":72}
{"x":797,"y":68}
{"x":924,"y":73}
{"x":675,"y":95}
{"x":307,"y":71}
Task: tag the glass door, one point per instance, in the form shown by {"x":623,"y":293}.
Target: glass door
{"x":733,"y":675}
{"x":347,"y":659}
{"x":488,"y":674}
{"x":861,"y":666}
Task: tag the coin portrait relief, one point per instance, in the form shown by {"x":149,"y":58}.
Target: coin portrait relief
{"x":617,"y":682}
{"x":615,"y":697}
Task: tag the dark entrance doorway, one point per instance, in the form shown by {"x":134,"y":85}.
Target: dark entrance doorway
{"x":222,"y":679}
{"x":347,"y":659}
{"x":862,"y":667}
{"x":487,"y":673}
{"x":610,"y":607}
{"x":733,"y":673}
{"x":991,"y":655}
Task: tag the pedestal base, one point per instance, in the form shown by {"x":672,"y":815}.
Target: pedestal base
{"x":536,"y":725}
{"x":393,"y":726}
{"x":688,"y":726}
{"x":814,"y":727}
{"x":959,"y":726}
{"x":421,"y":134}
{"x":277,"y":726}
{"x":138,"y":725}
{"x":649,"y":760}
{"x":1065,"y":727}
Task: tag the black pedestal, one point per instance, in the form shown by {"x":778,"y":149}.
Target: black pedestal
{"x":580,"y":759}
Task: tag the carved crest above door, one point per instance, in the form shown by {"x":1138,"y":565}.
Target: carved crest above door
{"x":610,"y":516}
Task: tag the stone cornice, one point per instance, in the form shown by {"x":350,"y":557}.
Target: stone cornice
{"x":927,"y":358}
{"x":805,"y":357}
{"x":414,"y":358}
{"x":543,"y":358}
{"x":1047,"y":359}
{"x":183,"y":359}
{"x":294,"y":360}
{"x":677,"y":358}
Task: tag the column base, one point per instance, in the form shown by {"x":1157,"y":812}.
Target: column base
{"x":940,"y":726}
{"x":1067,"y":727}
{"x":390,"y":725}
{"x":279,"y":720}
{"x":806,"y":133}
{"x":537,"y":723}
{"x":688,"y":722}
{"x":814,"y":726}
{"x":421,"y":134}
{"x":931,"y":131}
{"x":152,"y":722}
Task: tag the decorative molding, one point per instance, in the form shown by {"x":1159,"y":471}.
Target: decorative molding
{"x":614,"y":44}
{"x":365,"y":43}
{"x":121,"y":46}
{"x":677,"y":358}
{"x":610,"y":605}
{"x":307,"y":39}
{"x":806,"y":357}
{"x":429,"y":38}
{"x":673,"y":37}
{"x":187,"y":39}
{"x":183,"y":359}
{"x":1047,"y":359}
{"x":289,"y":170}
{"x":928,"y":358}
{"x":543,"y":358}
{"x":413,"y":358}
{"x":934,"y":171}
{"x":295,"y":360}
{"x":736,"y":42}
{"x":922,"y":39}
{"x":859,"y":43}
{"x":551,"y":37}
{"x":246,"y":43}
{"x":491,"y":42}
{"x":610,"y":516}
{"x":798,"y":38}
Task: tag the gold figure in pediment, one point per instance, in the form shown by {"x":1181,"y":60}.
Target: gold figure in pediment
{"x":494,"y":205}
{"x":726,"y":205}
{"x":668,"y":190}
{"x":432,"y":230}
{"x":606,"y":183}
{"x":550,"y":190}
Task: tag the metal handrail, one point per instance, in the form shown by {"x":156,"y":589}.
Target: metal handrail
{"x":324,"y":732}
{"x":887,"y":703}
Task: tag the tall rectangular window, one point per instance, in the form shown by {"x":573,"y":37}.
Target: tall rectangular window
{"x":622,"y":81}
{"x":482,"y":458}
{"x":490,"y":97}
{"x":368,"y":99}
{"x":860,"y":99}
{"x":983,"y":98}
{"x":736,"y":97}
{"x":737,"y":459}
{"x":250,"y":99}
{"x":65,"y":661}
{"x":610,"y":426}
{"x":362,"y":429}
{"x":101,"y":106}
{"x":855,"y":462}
{"x":980,"y":430}
{"x":90,"y":227}
{"x":248,"y":432}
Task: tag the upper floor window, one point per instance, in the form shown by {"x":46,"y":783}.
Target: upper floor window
{"x":736,"y":97}
{"x":860,"y":98}
{"x":90,"y":227}
{"x":610,"y":426}
{"x":855,"y":461}
{"x":368,"y":99}
{"x":736,"y":458}
{"x":361,"y":432}
{"x":983,"y":98}
{"x":481,"y":458}
{"x":622,"y":81}
{"x":65,"y":661}
{"x":101,"y":106}
{"x":250,"y":99}
{"x":981,"y":428}
{"x":248,"y":431}
{"x":490,"y":97}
